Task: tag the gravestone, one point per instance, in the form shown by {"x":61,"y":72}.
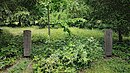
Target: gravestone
{"x":108,"y":42}
{"x":27,"y":42}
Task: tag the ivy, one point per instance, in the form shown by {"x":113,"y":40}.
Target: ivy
{"x":74,"y":55}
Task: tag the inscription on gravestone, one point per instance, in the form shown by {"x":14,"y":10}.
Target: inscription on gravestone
{"x":108,"y":42}
{"x":27,"y":42}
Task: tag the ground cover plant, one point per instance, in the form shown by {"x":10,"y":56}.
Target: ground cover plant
{"x":10,"y":48}
{"x":67,"y":36}
{"x":80,"y":52}
{"x":111,"y":65}
{"x":69,"y":55}
{"x":122,"y":51}
{"x":20,"y":67}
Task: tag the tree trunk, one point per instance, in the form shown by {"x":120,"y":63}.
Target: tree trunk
{"x":19,"y":24}
{"x":120,"y":38}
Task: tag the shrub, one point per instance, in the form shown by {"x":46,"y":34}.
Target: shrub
{"x":5,"y":37}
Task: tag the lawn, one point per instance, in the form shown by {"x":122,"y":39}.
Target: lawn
{"x":57,"y":33}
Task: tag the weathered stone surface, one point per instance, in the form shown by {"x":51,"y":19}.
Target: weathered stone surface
{"x":108,"y":42}
{"x":27,"y":42}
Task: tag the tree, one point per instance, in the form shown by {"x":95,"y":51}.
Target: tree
{"x":114,"y":13}
{"x":21,"y":16}
{"x":11,"y":10}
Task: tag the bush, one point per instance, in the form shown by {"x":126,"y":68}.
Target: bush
{"x":5,"y":37}
{"x":77,"y":22}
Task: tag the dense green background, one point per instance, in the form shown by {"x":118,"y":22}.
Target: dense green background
{"x":114,"y":14}
{"x":76,"y":41}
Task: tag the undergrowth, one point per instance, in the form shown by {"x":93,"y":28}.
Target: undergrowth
{"x":69,"y":55}
{"x":61,"y":52}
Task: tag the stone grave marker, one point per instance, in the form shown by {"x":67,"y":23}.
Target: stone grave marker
{"x":108,"y":42}
{"x":27,"y":42}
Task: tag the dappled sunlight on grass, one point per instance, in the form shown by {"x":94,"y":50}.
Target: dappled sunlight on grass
{"x":87,"y":32}
{"x":57,"y":33}
{"x":60,"y":34}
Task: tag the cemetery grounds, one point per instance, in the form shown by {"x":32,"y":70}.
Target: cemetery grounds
{"x":80,"y":52}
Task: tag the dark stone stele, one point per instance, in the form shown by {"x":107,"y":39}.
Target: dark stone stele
{"x":108,"y":42}
{"x":27,"y":43}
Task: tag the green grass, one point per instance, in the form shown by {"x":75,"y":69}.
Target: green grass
{"x":57,"y":33}
{"x":111,"y":65}
{"x":87,"y":33}
{"x":99,"y":67}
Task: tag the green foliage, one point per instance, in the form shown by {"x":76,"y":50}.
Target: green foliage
{"x":77,"y":22}
{"x":22,"y":18}
{"x":119,"y":66}
{"x":8,"y":39}
{"x":109,"y":65}
{"x":113,"y":13}
{"x":78,"y":9}
{"x":20,"y":67}
{"x":122,"y":51}
{"x":13,"y":12}
{"x":67,"y":55}
{"x":10,"y":48}
{"x":5,"y":37}
{"x":34,"y":12}
{"x":9,"y":55}
{"x":60,"y":53}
